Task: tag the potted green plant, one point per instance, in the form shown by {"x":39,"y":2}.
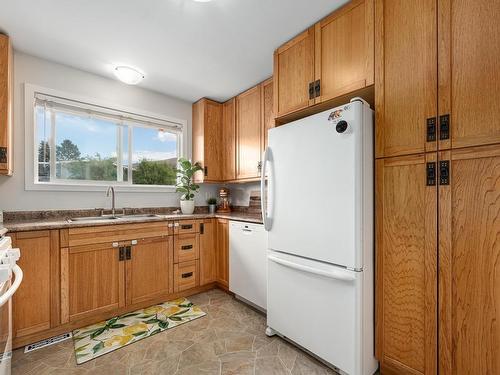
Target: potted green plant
{"x":185,"y":184}
{"x":212,"y":205}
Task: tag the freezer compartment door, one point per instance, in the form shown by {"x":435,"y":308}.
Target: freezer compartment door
{"x":317,"y":306}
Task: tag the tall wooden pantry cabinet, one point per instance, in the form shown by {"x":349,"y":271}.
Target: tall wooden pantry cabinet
{"x":437,"y":89}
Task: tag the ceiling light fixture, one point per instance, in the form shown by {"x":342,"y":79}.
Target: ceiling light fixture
{"x":128,"y":75}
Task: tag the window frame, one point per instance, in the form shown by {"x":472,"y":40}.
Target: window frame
{"x":31,"y":146}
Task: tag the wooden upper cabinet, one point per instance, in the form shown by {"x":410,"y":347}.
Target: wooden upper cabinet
{"x":469,"y":254}
{"x":293,"y":72}
{"x":344,"y":50}
{"x":406,"y":266}
{"x":248,"y":134}
{"x":208,"y":251}
{"x":469,"y":71}
{"x":207,"y":135}
{"x":150,"y":269}
{"x":35,"y":305}
{"x":267,"y":110}
{"x":406,"y":76}
{"x":229,"y":140}
{"x":6,"y":92}
{"x":330,"y":59}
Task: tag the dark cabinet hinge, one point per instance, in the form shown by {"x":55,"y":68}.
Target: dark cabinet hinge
{"x":317,"y":88}
{"x":444,"y":172}
{"x":444,"y":127}
{"x":3,"y":154}
{"x":259,"y":166}
{"x":202,"y":228}
{"x":431,"y":129}
{"x":311,"y":90}
{"x":205,"y":171}
{"x":121,"y":254}
{"x":128,"y":252}
{"x":431,"y":174}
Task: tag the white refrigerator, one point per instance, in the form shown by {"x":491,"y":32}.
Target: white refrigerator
{"x":318,"y":211}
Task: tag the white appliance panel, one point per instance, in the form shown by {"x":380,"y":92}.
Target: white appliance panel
{"x":247,"y":262}
{"x":317,"y":173}
{"x":316,"y":305}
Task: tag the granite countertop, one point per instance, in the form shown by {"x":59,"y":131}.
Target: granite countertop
{"x":59,"y":223}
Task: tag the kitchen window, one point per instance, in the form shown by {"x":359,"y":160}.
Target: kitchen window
{"x":82,"y":144}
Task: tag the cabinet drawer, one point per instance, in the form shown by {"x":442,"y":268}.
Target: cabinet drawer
{"x":185,"y":275}
{"x":186,"y":226}
{"x":186,"y":247}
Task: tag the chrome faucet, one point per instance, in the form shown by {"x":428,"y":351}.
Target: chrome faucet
{"x":112,"y":190}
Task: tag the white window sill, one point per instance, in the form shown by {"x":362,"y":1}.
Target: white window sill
{"x":46,"y":186}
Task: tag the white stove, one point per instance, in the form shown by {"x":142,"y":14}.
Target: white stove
{"x":11,"y":277}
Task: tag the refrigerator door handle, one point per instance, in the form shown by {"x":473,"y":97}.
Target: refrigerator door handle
{"x":263,"y":195}
{"x":338,"y":274}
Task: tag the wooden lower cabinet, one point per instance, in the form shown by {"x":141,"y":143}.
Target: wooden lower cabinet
{"x":406,"y":266}
{"x":208,"y":251}
{"x":469,"y":262}
{"x":149,"y":269}
{"x":92,"y":280}
{"x":75,"y":277}
{"x":36,"y":302}
{"x":223,"y":252}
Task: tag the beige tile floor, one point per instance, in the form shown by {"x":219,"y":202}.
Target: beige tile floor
{"x":230,"y":339}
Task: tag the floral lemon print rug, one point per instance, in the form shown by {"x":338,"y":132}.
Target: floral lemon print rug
{"x":104,"y":337}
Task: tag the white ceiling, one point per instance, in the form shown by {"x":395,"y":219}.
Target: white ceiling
{"x":186,"y":49}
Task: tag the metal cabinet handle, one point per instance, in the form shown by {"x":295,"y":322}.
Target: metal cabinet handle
{"x":186,"y":247}
{"x":187,"y":226}
{"x":186,"y":275}
{"x":115,"y":244}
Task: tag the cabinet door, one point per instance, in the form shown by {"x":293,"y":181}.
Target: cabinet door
{"x":207,"y":134}
{"x":293,"y":72}
{"x":35,"y":305}
{"x":92,"y":281}
{"x":6,"y":87}
{"x":223,"y":252}
{"x":469,"y":71}
{"x":344,"y":50}
{"x":267,"y":110}
{"x":406,"y":76}
{"x":229,"y":140}
{"x":149,"y":269}
{"x":248,"y":133}
{"x":208,"y":251}
{"x":406,"y":262}
{"x":469,"y":262}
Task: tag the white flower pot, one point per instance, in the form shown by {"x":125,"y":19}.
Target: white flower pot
{"x":187,"y":207}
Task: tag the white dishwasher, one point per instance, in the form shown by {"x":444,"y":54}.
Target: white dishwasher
{"x":248,"y":262}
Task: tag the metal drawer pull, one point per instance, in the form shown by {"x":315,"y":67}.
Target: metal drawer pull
{"x":134,"y":242}
{"x":187,"y":226}
{"x":186,"y":275}
{"x":115,"y":244}
{"x":176,"y":224}
{"x":186,"y":247}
